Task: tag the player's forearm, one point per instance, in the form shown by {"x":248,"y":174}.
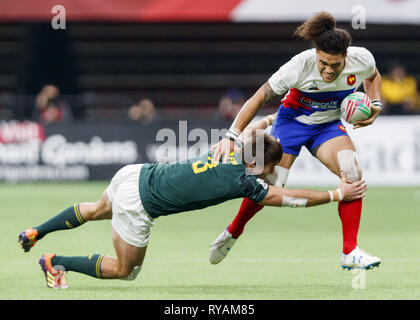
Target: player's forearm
{"x":373,"y":86}
{"x":246,"y":114}
{"x":312,"y":197}
{"x":280,"y":197}
{"x":264,"y":95}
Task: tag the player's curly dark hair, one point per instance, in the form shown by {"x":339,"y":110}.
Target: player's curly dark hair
{"x":322,"y":31}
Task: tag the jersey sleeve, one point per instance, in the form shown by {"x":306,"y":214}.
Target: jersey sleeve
{"x":253,"y":188}
{"x":287,"y":76}
{"x":369,"y":61}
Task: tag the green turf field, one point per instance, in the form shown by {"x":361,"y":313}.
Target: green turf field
{"x":283,"y":254}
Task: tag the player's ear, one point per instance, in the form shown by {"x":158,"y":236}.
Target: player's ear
{"x":252,"y":164}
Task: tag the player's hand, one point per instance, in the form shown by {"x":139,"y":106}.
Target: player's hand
{"x":353,"y":191}
{"x":222,"y":149}
{"x":363,"y":123}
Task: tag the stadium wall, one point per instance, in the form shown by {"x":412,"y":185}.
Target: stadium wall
{"x":389,"y":151}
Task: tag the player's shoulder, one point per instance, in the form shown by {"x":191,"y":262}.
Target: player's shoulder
{"x":359,"y":54}
{"x":305,"y":56}
{"x":301,"y":64}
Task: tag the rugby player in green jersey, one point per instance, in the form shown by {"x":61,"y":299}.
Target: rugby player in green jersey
{"x":139,"y":194}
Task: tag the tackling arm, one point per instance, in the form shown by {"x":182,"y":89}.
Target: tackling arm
{"x":259,"y":125}
{"x":281,"y":197}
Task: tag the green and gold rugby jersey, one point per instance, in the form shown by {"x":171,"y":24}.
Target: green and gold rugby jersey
{"x":195,"y":183}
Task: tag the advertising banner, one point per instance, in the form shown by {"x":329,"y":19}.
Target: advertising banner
{"x":388,"y":151}
{"x":77,"y":152}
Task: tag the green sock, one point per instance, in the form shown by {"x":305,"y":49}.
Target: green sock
{"x":68,"y":219}
{"x":90,"y":265}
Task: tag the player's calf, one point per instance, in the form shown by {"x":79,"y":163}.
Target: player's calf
{"x":68,"y":219}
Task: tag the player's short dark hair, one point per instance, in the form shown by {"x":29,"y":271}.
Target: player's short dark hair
{"x":322,"y":31}
{"x":273,"y":151}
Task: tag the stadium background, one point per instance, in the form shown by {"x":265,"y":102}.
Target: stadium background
{"x":185,"y":56}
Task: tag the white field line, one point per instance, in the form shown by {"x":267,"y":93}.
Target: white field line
{"x":281,"y":260}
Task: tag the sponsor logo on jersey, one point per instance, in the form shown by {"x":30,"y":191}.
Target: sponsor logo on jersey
{"x":351,"y":79}
{"x":319,"y":105}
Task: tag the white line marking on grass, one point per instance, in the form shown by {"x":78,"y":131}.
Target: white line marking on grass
{"x":250,"y":260}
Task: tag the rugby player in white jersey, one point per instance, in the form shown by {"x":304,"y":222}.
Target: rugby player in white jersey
{"x":315,"y":82}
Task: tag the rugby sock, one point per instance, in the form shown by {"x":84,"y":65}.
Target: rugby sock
{"x":247,"y":210}
{"x":68,"y":219}
{"x":89,"y":265}
{"x":350,"y":213}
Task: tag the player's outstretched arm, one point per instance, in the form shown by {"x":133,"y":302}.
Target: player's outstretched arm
{"x":281,"y":197}
{"x":262,"y":96}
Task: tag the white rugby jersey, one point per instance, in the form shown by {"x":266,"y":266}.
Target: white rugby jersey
{"x":310,"y":99}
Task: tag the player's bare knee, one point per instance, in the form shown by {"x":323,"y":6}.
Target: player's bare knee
{"x":349,"y":165}
{"x":132,"y":275}
{"x":124,"y":273}
{"x":127,"y":273}
{"x":102,"y":208}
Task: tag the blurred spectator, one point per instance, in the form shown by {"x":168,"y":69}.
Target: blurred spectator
{"x":50,"y":108}
{"x":143,"y":111}
{"x":399,"y":91}
{"x":7,"y":102}
{"x":230,"y":104}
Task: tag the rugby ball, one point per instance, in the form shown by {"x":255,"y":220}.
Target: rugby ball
{"x":355,"y":107}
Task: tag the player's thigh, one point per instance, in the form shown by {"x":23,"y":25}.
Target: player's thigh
{"x":287,"y":160}
{"x":327,"y":153}
{"x":128,"y":256}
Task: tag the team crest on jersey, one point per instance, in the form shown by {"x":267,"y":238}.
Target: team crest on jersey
{"x":351,"y":79}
